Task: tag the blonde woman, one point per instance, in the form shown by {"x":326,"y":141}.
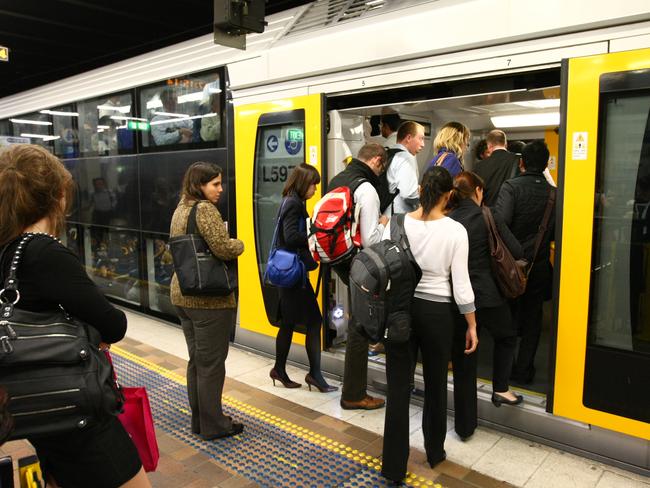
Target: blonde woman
{"x":450,"y":145}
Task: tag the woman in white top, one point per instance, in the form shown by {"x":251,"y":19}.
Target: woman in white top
{"x":440,"y":247}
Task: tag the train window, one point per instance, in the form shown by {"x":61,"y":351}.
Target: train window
{"x":106,"y":125}
{"x":112,"y":258}
{"x":278,"y":149}
{"x":34,"y":128}
{"x":65,"y":129}
{"x":184,"y":110}
{"x":620,"y":291}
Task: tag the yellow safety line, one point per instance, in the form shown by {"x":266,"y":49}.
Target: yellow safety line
{"x":314,"y":438}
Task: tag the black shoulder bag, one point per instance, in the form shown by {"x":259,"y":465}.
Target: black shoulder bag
{"x":50,"y":364}
{"x":199,"y":272}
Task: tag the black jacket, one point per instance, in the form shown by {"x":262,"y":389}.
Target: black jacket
{"x":293,"y":234}
{"x":521,"y":204}
{"x":486,"y":291}
{"x":354,"y":172}
{"x":500,"y":166}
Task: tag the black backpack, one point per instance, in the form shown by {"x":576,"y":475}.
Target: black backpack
{"x":385,"y":196}
{"x":383,"y":278}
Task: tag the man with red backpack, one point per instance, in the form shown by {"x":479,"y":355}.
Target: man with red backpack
{"x":361,"y":176}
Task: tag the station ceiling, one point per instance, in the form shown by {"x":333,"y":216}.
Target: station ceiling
{"x":52,"y":39}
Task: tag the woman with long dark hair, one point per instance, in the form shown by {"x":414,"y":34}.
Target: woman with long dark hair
{"x":36,"y":192}
{"x":298,"y":304}
{"x":440,"y":246}
{"x":207,"y":321}
{"x":492,"y":309}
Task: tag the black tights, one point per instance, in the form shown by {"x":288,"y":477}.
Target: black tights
{"x":312,"y":345}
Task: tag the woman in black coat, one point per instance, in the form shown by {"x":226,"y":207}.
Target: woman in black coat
{"x":492,"y":310}
{"x":298,"y":305}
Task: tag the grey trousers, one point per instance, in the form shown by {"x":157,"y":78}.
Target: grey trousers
{"x":207,"y":333}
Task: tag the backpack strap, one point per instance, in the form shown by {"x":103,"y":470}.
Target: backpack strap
{"x":356,"y":184}
{"x":398,"y":234}
{"x":543,"y":226}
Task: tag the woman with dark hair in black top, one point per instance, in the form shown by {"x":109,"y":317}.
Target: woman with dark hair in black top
{"x":35,"y":190}
{"x":492,"y":309}
{"x":298,"y":305}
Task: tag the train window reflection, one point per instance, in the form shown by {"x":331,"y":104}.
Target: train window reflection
{"x":34,"y":128}
{"x":112,"y":261}
{"x":620,"y":290}
{"x":183,"y":111}
{"x":103,"y":125}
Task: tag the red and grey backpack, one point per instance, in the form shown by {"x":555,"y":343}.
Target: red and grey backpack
{"x":335,"y":234}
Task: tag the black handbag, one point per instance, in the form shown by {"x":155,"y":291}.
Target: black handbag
{"x":199,"y":272}
{"x":50,"y":364}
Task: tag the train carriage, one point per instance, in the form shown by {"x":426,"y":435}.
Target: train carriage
{"x":576,"y":74}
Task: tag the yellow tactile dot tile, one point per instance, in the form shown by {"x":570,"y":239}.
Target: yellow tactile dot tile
{"x":280,"y":423}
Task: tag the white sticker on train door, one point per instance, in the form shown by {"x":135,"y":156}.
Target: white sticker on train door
{"x":580,"y":141}
{"x":313,"y":155}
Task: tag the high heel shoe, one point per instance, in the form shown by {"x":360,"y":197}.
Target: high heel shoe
{"x":498,"y":400}
{"x":287,"y":383}
{"x":309,"y":379}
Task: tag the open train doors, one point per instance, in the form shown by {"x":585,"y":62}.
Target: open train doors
{"x":271,"y":138}
{"x":602,"y":374}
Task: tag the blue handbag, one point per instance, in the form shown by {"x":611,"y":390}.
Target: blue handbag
{"x":284,"y":268}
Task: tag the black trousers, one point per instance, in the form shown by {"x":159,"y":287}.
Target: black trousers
{"x":432,"y":332}
{"x":355,"y":370}
{"x":498,"y":322}
{"x":527,"y":314}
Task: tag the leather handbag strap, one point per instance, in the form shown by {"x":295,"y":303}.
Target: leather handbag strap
{"x":491,"y":226}
{"x":192,"y":226}
{"x":543,"y":226}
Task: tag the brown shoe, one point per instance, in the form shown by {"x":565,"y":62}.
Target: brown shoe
{"x":368,"y":403}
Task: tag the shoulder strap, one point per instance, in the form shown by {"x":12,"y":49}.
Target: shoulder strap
{"x":441,"y":158}
{"x":543,"y":226}
{"x":398,"y":234}
{"x":390,"y":154}
{"x":191,"y":227}
{"x":274,"y":242}
{"x":356,"y":184}
{"x":491,"y":226}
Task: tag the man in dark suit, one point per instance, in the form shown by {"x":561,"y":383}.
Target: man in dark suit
{"x":522,"y":205}
{"x":498,"y":167}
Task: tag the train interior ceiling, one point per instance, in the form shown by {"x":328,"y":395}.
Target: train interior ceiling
{"x":522,"y":113}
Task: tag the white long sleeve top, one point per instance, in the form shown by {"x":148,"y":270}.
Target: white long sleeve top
{"x":441,"y":248}
{"x":367,"y":201}
{"x":402,"y":174}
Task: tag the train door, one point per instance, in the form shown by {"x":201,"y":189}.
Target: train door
{"x":602,"y":374}
{"x":270,"y":139}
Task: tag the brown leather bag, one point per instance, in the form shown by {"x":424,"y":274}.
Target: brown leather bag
{"x":510,"y":273}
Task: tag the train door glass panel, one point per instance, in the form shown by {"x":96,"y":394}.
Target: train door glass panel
{"x":618,"y":342}
{"x":159,"y":273}
{"x":279,"y":148}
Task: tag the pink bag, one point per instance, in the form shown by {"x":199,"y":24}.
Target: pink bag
{"x":138,"y":422}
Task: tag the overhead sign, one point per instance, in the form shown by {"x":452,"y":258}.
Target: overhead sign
{"x":4,"y":53}
{"x":137,"y":125}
